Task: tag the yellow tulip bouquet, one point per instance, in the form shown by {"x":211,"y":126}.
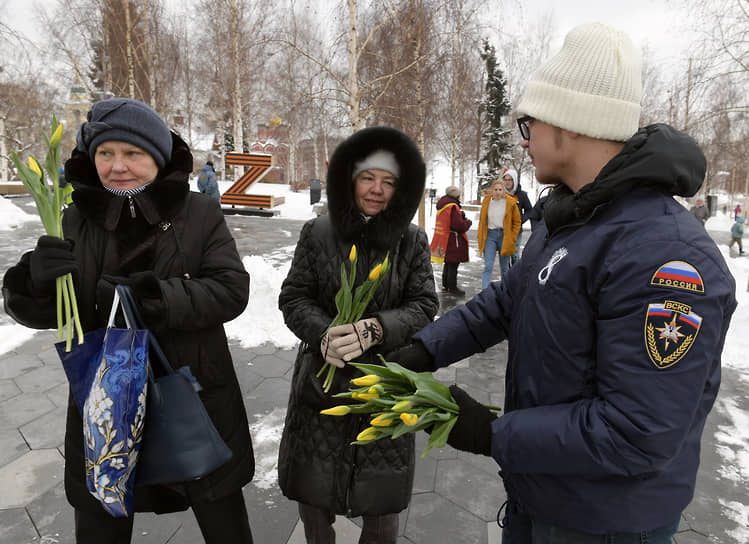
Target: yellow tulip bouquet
{"x":400,"y":401}
{"x":50,"y":198}
{"x":351,"y":303}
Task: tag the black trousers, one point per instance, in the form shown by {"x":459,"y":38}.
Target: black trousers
{"x":221,"y":521}
{"x":450,"y":275}
{"x":318,"y":527}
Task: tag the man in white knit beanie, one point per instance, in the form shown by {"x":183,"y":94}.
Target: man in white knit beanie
{"x":615,"y":315}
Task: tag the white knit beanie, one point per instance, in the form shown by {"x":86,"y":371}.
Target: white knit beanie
{"x":380,"y":160}
{"x":592,"y":86}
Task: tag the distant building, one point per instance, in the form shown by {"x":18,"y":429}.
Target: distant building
{"x":273,"y":139}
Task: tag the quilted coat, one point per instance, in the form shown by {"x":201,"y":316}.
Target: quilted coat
{"x":182,"y":237}
{"x":616,"y":317}
{"x":317,"y":464}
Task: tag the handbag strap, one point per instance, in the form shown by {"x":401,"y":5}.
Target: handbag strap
{"x":131,"y":309}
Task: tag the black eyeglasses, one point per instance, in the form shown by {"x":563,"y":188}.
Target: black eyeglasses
{"x":525,"y":130}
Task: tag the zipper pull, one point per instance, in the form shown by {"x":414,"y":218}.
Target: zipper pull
{"x":132,"y":206}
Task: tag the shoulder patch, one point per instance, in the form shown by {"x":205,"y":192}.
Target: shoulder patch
{"x":678,"y":275}
{"x":671,"y":328}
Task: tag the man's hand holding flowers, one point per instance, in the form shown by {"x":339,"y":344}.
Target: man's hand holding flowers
{"x":344,"y":343}
{"x":473,"y":429}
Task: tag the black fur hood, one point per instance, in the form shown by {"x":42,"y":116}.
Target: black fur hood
{"x":158,"y":202}
{"x":385,"y":229}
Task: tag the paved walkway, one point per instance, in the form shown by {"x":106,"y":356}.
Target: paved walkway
{"x":455,"y":496}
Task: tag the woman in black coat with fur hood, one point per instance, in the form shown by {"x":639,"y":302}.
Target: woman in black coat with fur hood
{"x":375,"y":183}
{"x":134,"y":221}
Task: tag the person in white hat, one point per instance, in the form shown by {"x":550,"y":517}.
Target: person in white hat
{"x":615,"y":316}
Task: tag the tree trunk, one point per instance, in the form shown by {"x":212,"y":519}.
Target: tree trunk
{"x":129,"y":51}
{"x":353,"y":71}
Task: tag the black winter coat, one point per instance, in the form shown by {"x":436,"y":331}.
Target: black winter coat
{"x":182,"y":237}
{"x":317,"y":463}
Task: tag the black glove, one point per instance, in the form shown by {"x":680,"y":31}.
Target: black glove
{"x":413,"y":356}
{"x":52,"y":258}
{"x":473,"y":429}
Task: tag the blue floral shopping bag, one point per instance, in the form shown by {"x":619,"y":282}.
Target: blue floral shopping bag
{"x":114,"y":416}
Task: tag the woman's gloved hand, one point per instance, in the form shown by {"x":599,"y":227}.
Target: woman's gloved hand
{"x":52,"y":258}
{"x":345,"y":343}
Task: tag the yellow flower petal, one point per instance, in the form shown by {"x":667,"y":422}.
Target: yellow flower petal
{"x":383,"y":420}
{"x":409,"y":419}
{"x":375,"y":272}
{"x":35,"y":166}
{"x":369,"y":379}
{"x":352,"y":253}
{"x":341,"y":410}
{"x":403,"y":406}
{"x":57,"y":136}
{"x":370,"y":433}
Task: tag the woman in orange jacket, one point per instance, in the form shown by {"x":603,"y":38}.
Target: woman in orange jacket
{"x":499,"y":225}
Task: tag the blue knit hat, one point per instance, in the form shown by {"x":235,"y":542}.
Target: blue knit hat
{"x":126,"y":120}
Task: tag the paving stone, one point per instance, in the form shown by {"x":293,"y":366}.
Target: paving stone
{"x":270,"y":366}
{"x":22,"y":409}
{"x":8,"y":389}
{"x":177,"y":527}
{"x":47,"y":431}
{"x":50,"y":357}
{"x":12,"y":446}
{"x":59,"y":394}
{"x":469,"y":487}
{"x":432,"y":519}
{"x":53,"y":516}
{"x":271,"y":393}
{"x":248,"y":379}
{"x":425,"y":474}
{"x":29,"y":476}
{"x":16,"y":527}
{"x":41,"y":379}
{"x":18,"y":364}
{"x":287,"y":354}
{"x":272,"y":516}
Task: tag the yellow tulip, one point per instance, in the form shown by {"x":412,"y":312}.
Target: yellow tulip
{"x":383,"y":420}
{"x":56,"y":136}
{"x":370,"y":433}
{"x":352,"y":253}
{"x":369,"y":379}
{"x":336,"y":411}
{"x":375,"y":272}
{"x":35,"y":166}
{"x":403,"y":406}
{"x":409,"y":419}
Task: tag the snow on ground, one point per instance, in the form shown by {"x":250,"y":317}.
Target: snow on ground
{"x":11,"y":216}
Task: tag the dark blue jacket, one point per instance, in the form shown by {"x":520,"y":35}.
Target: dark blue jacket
{"x":524,"y":204}
{"x":616,"y":322}
{"x":207,"y":182}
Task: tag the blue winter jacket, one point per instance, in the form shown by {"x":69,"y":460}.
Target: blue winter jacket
{"x":207,"y":182}
{"x":615,"y":321}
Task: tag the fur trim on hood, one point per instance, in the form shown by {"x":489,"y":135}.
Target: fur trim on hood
{"x":385,"y":229}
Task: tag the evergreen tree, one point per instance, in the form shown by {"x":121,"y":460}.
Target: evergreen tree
{"x":494,"y":106}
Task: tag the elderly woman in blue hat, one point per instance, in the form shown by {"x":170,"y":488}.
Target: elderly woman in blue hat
{"x":134,"y":221}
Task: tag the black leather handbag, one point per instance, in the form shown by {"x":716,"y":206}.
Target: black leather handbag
{"x":180,"y":442}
